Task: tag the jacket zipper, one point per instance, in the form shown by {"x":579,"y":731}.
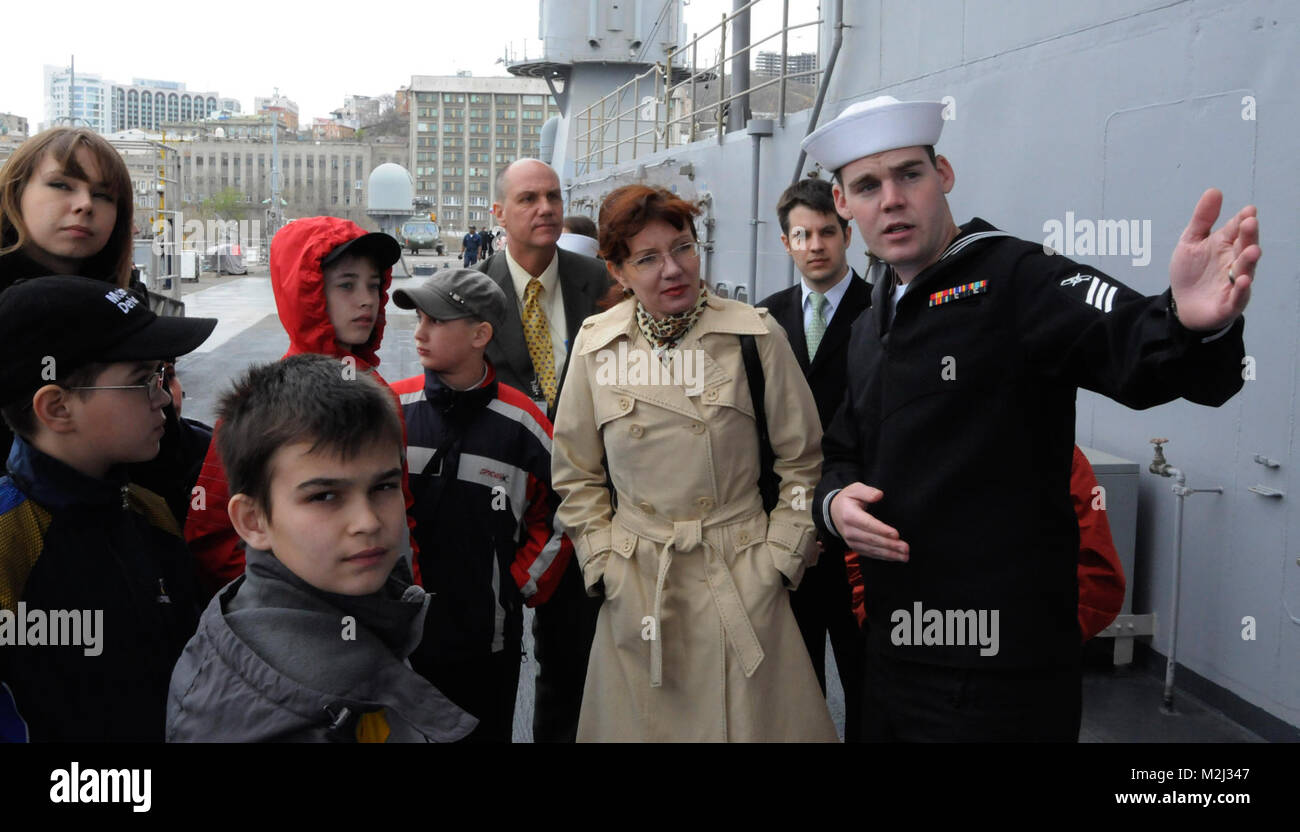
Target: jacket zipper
{"x":162,"y":597}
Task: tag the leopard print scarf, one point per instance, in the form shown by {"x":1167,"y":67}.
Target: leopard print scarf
{"x":664,"y":334}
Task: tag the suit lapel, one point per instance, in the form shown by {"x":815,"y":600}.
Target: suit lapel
{"x":791,"y":319}
{"x":509,"y":344}
{"x":575,"y":293}
{"x":856,"y":298}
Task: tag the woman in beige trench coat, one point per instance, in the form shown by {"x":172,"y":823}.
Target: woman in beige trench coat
{"x":695,"y":638}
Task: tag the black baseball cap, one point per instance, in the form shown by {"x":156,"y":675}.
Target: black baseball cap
{"x":55,"y":325}
{"x":456,"y":293}
{"x":379,"y":247}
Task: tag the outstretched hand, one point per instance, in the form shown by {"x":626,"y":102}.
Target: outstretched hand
{"x":1211,"y":273}
{"x":863,"y":533}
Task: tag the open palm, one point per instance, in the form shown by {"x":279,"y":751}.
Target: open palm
{"x":1211,"y":273}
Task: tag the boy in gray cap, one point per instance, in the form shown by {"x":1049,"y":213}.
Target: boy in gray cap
{"x":479,"y":454}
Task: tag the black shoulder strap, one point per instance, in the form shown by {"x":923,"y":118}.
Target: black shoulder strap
{"x":767,"y":481}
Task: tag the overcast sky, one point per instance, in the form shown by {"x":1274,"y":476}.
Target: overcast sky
{"x":314,"y":53}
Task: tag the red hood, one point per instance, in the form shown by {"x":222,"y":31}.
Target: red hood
{"x":296,"y":252}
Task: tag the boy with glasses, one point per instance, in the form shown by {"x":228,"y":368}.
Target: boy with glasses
{"x":96,"y":585}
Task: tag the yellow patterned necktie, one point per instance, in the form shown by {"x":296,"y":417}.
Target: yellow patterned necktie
{"x":537,"y":332}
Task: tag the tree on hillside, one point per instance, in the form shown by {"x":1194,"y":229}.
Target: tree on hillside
{"x":226,"y":204}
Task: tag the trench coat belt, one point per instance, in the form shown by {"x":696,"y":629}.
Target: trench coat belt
{"x":683,"y":536}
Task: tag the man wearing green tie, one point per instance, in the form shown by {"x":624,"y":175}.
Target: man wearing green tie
{"x":817,"y":314}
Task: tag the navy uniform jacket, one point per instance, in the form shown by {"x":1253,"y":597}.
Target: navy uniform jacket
{"x":962,"y":413}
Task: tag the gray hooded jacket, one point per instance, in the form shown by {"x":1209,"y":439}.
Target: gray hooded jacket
{"x":277,"y":660}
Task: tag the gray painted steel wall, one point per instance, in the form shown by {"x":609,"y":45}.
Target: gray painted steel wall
{"x":1120,"y":109}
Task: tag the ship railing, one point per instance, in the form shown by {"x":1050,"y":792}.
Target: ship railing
{"x":685,"y":102}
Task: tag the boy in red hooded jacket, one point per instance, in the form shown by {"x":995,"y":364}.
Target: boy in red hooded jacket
{"x":330,"y":278}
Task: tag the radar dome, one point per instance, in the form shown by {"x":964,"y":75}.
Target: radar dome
{"x":390,"y":189}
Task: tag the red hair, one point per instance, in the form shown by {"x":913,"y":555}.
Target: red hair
{"x":629,"y":209}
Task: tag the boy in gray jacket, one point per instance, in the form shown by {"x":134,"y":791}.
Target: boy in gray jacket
{"x":310,"y":644}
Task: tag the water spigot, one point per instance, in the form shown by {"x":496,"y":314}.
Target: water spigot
{"x":1158,"y":463}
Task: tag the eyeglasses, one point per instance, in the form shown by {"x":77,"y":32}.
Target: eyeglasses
{"x":654,"y":262}
{"x":157,"y":383}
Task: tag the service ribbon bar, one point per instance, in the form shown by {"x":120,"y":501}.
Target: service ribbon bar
{"x":959,"y":292}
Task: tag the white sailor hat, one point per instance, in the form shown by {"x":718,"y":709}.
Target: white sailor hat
{"x":869,"y":127}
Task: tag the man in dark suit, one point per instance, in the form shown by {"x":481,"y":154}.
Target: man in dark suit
{"x":817,"y":314}
{"x":550,"y":291}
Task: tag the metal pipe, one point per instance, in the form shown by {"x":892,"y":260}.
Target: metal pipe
{"x":1161,"y":467}
{"x":785,"y":49}
{"x":821,"y":89}
{"x":1179,"y":480}
{"x":758,"y":128}
{"x":722,"y":78}
{"x":738,"y":115}
{"x":753,"y":215}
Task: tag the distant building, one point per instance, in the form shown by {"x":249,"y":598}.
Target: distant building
{"x":13,"y":132}
{"x":108,"y":107}
{"x":463,"y":130}
{"x":226,"y":126}
{"x":316,"y":177}
{"x":328,"y":129}
{"x":228,"y":105}
{"x":287,"y":108}
{"x":13,"y":127}
{"x":769,"y":64}
{"x":87,"y":104}
{"x":147,"y":104}
{"x":358,"y":111}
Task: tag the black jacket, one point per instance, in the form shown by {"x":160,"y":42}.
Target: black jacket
{"x":582,"y":280}
{"x":826,"y":372}
{"x":480,"y":472}
{"x":962,"y":412}
{"x":70,"y":542}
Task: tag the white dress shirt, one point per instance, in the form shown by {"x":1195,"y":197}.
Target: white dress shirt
{"x":552,"y":303}
{"x":833,"y":297}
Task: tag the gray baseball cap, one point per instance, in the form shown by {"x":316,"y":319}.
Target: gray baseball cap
{"x":456,"y":293}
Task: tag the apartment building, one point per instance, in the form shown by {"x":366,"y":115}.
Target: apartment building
{"x":463,"y":130}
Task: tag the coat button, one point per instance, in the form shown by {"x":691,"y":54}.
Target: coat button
{"x":697,"y":428}
{"x":744,"y":538}
{"x":710,"y":395}
{"x":627,"y":544}
{"x":624,"y":403}
{"x":636,"y":431}
{"x":646,"y":507}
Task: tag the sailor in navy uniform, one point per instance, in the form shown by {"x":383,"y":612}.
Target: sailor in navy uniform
{"x":947,"y":466}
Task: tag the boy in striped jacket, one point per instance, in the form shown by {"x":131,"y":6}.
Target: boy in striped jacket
{"x":479,"y":455}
